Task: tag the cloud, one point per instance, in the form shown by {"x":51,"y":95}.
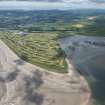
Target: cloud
{"x":51,"y":4}
{"x":74,"y":1}
{"x":65,"y":1}
{"x":98,"y":1}
{"x":36,"y":0}
{"x":30,"y":5}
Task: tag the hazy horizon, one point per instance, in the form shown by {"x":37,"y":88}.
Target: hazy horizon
{"x":50,"y":4}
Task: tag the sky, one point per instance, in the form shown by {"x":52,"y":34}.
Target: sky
{"x":51,"y":4}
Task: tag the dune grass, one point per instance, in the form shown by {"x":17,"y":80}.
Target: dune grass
{"x":40,"y":49}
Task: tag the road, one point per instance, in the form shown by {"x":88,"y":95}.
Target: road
{"x":22,"y":83}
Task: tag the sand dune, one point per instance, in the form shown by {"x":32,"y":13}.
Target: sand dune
{"x":22,"y":83}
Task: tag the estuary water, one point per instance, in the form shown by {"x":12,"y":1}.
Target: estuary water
{"x":88,"y":57}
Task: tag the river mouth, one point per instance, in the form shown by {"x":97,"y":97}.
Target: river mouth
{"x":88,"y":56}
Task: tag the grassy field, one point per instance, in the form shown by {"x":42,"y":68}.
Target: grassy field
{"x":90,"y":26}
{"x":40,"y":49}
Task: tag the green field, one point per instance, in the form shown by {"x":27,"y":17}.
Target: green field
{"x":40,"y":49}
{"x":90,"y":26}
